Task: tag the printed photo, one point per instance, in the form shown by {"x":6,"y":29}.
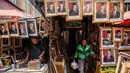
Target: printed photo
{"x":125,"y":44}
{"x":100,"y":11}
{"x":23,"y":30}
{"x":74,"y":10}
{"x":13,"y":29}
{"x":116,"y":10}
{"x":108,"y":69}
{"x":4,"y":30}
{"x":61,"y":7}
{"x":87,"y":7}
{"x":32,"y":27}
{"x":106,"y":38}
{"x":117,"y":34}
{"x":50,"y":6}
{"x":108,"y":56}
{"x":5,"y":42}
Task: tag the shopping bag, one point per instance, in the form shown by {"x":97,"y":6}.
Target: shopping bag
{"x":74,"y":65}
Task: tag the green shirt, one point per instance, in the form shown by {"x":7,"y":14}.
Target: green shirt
{"x":83,"y":52}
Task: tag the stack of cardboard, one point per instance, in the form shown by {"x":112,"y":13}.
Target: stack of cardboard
{"x":34,"y":65}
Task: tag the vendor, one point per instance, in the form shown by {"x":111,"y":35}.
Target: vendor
{"x":35,"y":50}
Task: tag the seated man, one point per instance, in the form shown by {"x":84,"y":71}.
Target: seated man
{"x":35,"y":50}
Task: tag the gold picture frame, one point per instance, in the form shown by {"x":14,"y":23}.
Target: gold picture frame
{"x":61,"y":7}
{"x":50,"y":11}
{"x":13,"y":28}
{"x":4,"y":30}
{"x":125,"y":44}
{"x":119,"y":7}
{"x":123,"y":63}
{"x":117,"y":34}
{"x":5,"y":42}
{"x":106,"y":38}
{"x":101,"y":11}
{"x":88,"y":7}
{"x":112,"y":59}
{"x":74,"y":10}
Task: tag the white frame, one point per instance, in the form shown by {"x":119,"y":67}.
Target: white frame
{"x":107,"y":12}
{"x":26,"y":28}
{"x":35,"y":26}
{"x":62,"y":13}
{"x":91,"y":13}
{"x":109,"y":63}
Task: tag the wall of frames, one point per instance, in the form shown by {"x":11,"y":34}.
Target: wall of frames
{"x":113,"y":40}
{"x":101,"y":10}
{"x":23,"y":28}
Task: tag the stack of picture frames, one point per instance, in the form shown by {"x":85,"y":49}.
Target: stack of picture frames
{"x":101,"y":10}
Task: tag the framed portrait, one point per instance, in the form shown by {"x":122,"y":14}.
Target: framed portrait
{"x":4,"y":30}
{"x":117,"y":34}
{"x":42,"y":25}
{"x":123,"y":65}
{"x":13,"y":28}
{"x":87,"y":7}
{"x":32,"y":27}
{"x":5,"y":42}
{"x":108,"y":69}
{"x":100,"y":11}
{"x":108,"y":57}
{"x":17,"y":42}
{"x":61,"y":7}
{"x":23,"y":29}
{"x":74,"y":10}
{"x":125,"y":44}
{"x":116,"y":10}
{"x":50,"y":7}
{"x":106,"y":38}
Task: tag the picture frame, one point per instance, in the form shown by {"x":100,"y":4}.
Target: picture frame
{"x":73,"y":24}
{"x":17,"y":42}
{"x":117,"y":35}
{"x":125,"y":44}
{"x":4,"y":30}
{"x":50,"y":8}
{"x":32,"y":27}
{"x":108,"y":69}
{"x":123,"y":64}
{"x":116,"y":10}
{"x":74,"y":10}
{"x":5,"y":42}
{"x":42,"y":25}
{"x":13,"y":28}
{"x":101,"y":8}
{"x":108,"y":57}
{"x":106,"y":38}
{"x":88,"y":7}
{"x":23,"y":28}
{"x":61,"y":7}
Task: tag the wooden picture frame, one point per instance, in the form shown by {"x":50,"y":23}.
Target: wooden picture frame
{"x":13,"y":28}
{"x":123,"y":64}
{"x":48,"y":10}
{"x":17,"y":42}
{"x":4,"y":30}
{"x":74,"y":10}
{"x":73,"y":24}
{"x":23,"y":28}
{"x":61,"y":7}
{"x":88,"y":7}
{"x":32,"y":27}
{"x":100,"y":11}
{"x":5,"y":42}
{"x":106,"y":38}
{"x":118,"y":6}
{"x":125,"y":44}
{"x":117,"y":34}
{"x":108,"y":57}
{"x":42,"y":25}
